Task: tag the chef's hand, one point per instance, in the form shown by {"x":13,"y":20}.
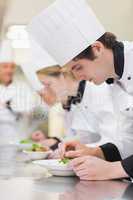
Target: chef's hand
{"x":2,"y":105}
{"x":54,"y":155}
{"x":38,"y":136}
{"x":92,"y":168}
{"x":48,"y":96}
{"x":74,"y":149}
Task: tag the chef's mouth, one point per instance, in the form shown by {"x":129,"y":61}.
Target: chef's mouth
{"x":82,"y":78}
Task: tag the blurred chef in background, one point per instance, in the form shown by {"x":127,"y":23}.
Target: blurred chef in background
{"x":39,"y":59}
{"x":17,"y":101}
{"x":7,"y":70}
{"x":63,"y":93}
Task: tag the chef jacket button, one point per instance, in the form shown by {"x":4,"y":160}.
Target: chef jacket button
{"x":127,"y":109}
{"x":86,"y":107}
{"x":129,"y":78}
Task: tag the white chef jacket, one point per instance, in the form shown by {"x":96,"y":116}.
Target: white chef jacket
{"x":27,"y":110}
{"x":122,"y":97}
{"x":97,"y":114}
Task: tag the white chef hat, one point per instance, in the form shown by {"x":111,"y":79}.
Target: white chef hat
{"x":6,"y":52}
{"x":66,"y":28}
{"x":40,"y":59}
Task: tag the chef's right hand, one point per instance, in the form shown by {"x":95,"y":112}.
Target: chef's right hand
{"x":2,"y":105}
{"x":73,"y":149}
{"x":54,"y":154}
{"x":48,"y":96}
{"x":38,"y":136}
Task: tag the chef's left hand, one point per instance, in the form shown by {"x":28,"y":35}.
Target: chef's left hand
{"x":74,"y":149}
{"x":2,"y":105}
{"x":54,"y":155}
{"x":48,"y":96}
{"x":38,"y":136}
{"x":92,"y":168}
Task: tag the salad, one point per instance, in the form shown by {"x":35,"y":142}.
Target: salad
{"x":26,"y":141}
{"x":35,"y":147}
{"x":38,"y":148}
{"x":65,"y":161}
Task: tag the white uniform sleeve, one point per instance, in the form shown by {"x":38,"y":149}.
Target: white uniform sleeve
{"x":123,"y":105}
{"x":125,"y":135}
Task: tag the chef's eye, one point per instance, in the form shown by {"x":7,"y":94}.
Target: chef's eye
{"x":77,"y":68}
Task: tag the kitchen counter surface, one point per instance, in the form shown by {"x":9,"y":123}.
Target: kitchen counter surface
{"x":25,"y":181}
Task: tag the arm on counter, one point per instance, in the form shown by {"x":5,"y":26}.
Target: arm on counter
{"x":91,"y":168}
{"x":112,"y":154}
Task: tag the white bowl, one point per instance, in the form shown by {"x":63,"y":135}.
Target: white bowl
{"x":22,"y":147}
{"x":56,"y":168}
{"x":34,"y":155}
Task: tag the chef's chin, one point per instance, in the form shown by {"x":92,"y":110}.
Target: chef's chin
{"x":97,"y":82}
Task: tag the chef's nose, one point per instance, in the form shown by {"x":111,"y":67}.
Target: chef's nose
{"x":81,"y":76}
{"x":77,"y":75}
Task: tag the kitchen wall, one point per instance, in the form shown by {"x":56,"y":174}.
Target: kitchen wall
{"x":116,"y":16}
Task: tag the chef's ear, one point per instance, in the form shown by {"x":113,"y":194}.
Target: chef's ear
{"x":97,"y":48}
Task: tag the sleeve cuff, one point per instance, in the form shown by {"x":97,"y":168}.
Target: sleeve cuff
{"x":55,"y":146}
{"x":111,"y":152}
{"x":128,"y":165}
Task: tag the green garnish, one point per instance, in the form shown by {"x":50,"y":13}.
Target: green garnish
{"x":38,"y":148}
{"x":35,"y":146}
{"x":65,"y":161}
{"x":26,"y":141}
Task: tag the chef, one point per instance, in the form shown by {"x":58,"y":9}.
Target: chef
{"x":17,"y":101}
{"x":7,"y":69}
{"x":93,"y":54}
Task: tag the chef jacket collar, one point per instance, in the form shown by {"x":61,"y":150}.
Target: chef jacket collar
{"x":76,"y":99}
{"x":118,"y":52}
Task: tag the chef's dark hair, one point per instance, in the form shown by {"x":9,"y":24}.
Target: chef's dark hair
{"x":108,"y":40}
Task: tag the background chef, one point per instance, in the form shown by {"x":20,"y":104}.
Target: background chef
{"x":17,"y":100}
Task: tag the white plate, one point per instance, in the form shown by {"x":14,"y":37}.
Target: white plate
{"x":56,"y":168}
{"x":37,"y":155}
{"x":22,"y":147}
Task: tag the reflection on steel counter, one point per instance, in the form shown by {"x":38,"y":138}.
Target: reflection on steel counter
{"x":128,"y":193}
{"x":96,"y":191}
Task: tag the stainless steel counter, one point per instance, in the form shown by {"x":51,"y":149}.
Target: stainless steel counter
{"x":25,"y":181}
